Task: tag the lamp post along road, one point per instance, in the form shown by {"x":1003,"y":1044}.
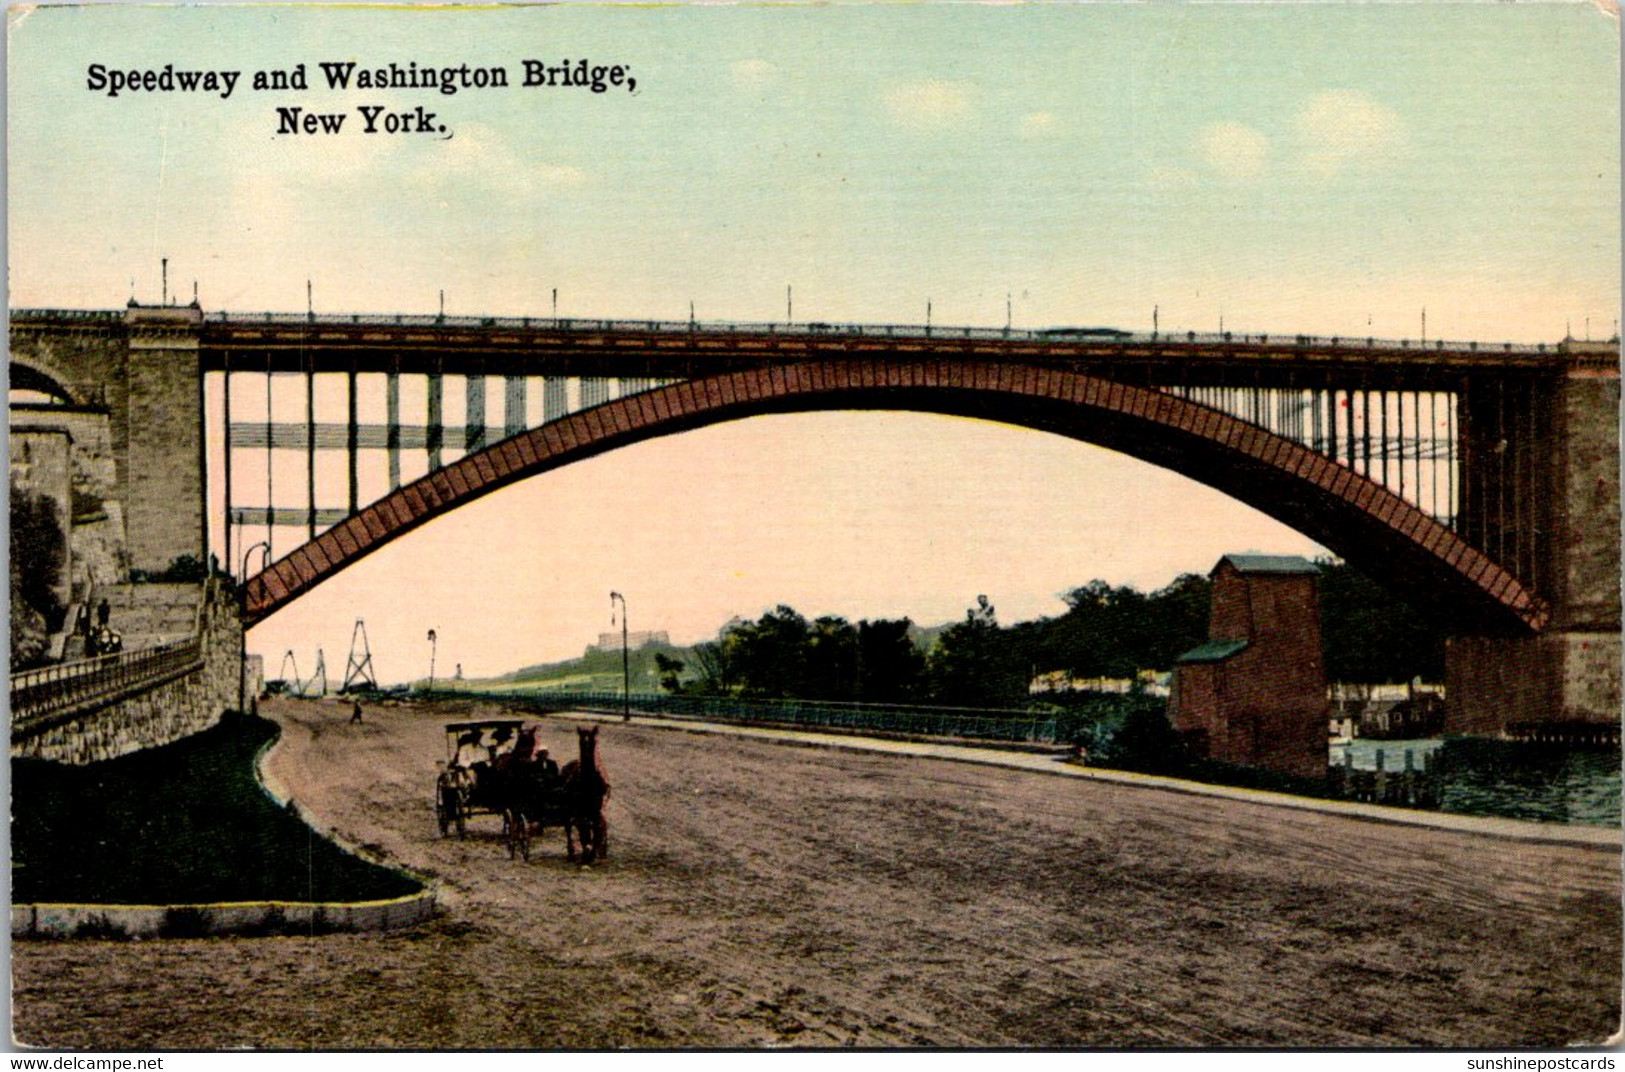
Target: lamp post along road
{"x":626,"y":655}
{"x":242,"y":630}
{"x":433,"y":646}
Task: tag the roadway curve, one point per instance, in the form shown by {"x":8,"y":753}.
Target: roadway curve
{"x":758,"y":894}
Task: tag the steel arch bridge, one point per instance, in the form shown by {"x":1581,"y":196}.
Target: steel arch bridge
{"x":1352,"y":514}
{"x":1481,"y":477}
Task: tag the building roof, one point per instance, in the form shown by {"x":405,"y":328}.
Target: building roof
{"x":1214,"y":651}
{"x":1269,"y":564}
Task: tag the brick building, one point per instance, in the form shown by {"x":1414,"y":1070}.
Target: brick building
{"x":1255,"y":693}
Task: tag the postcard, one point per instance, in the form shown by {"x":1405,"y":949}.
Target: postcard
{"x":737,"y":527}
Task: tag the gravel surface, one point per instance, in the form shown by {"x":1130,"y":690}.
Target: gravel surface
{"x":759,"y":894}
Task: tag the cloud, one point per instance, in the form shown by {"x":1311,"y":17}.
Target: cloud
{"x":1234,"y":151}
{"x":1171,"y":178}
{"x":477,"y":156}
{"x":931,"y":104}
{"x":1345,"y":128}
{"x":753,"y":74}
{"x":1038,"y":125}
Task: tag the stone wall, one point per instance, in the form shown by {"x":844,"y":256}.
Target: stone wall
{"x":141,"y":369}
{"x":183,"y":706}
{"x":90,"y":492}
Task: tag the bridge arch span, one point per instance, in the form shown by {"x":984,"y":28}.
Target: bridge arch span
{"x":34,"y":375}
{"x":1389,"y":538}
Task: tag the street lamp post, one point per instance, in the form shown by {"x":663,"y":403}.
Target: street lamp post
{"x":433,"y":646}
{"x":242,"y":630}
{"x":626,"y":665}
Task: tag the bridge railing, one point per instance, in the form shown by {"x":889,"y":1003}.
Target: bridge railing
{"x":38,"y":695}
{"x":1096,"y":336}
{"x":1010,"y":726}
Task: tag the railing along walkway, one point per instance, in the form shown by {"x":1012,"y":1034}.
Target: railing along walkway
{"x":51,"y":695}
{"x":976,"y":724}
{"x":41,"y":698}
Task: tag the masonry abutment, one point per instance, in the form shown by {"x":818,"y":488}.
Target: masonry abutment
{"x":1570,"y":673}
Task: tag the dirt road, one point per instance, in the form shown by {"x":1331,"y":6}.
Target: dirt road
{"x":758,"y":894}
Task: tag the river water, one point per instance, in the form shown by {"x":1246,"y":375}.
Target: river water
{"x":1552,"y":784}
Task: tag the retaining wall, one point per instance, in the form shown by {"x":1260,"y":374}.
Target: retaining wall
{"x":177,"y":708}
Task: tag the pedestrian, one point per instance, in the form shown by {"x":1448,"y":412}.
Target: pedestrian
{"x":103,"y":612}
{"x":355,"y":713}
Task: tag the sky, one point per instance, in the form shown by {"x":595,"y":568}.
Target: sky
{"x":1328,"y":169}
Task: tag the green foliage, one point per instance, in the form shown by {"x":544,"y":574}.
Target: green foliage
{"x":670,"y":672}
{"x":1115,"y":632}
{"x":1372,"y":636}
{"x":39,"y":557}
{"x":185,"y":569}
{"x":1107,"y":632}
{"x":890,"y":667}
{"x":768,"y":658}
{"x":185,"y":823}
{"x":976,"y":664}
{"x":713,"y":678}
{"x":1146,"y":741}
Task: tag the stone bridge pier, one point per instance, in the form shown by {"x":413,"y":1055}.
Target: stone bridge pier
{"x":1559,"y":480}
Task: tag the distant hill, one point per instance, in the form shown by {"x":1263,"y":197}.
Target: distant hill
{"x":925,"y":636}
{"x":595,"y":670}
{"x":599,"y":669}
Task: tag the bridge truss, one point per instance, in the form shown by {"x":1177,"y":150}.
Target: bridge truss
{"x":321,"y":416}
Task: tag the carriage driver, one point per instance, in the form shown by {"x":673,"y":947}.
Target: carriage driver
{"x":468,"y":749}
{"x":549,"y":768}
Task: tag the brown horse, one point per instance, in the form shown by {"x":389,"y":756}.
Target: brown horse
{"x":585,"y":790}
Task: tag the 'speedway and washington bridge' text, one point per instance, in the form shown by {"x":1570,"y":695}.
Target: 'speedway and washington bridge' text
{"x":447,"y":80}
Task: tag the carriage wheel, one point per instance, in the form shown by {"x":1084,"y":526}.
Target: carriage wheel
{"x":445,"y":808}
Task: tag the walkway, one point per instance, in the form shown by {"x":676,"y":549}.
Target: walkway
{"x":1049,"y":763}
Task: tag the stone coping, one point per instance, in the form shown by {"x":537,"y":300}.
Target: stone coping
{"x":1594,"y":837}
{"x":202,"y":920}
{"x":254,"y":918}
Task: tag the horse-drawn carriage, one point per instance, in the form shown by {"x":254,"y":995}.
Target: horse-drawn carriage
{"x":498,"y":767}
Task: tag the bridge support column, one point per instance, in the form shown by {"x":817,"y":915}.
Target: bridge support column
{"x":165,"y":461}
{"x":1570,"y":674}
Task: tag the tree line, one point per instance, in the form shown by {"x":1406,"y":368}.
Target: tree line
{"x":1107,"y":631}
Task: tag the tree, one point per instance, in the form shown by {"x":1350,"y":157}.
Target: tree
{"x":890,"y":667}
{"x":1372,"y":636}
{"x":714,"y":679}
{"x":831,"y":664}
{"x":39,"y":556}
{"x":670,"y":671}
{"x":767,"y":658}
{"x":975,"y":664}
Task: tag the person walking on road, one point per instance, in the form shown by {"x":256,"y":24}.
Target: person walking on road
{"x":355,"y":713}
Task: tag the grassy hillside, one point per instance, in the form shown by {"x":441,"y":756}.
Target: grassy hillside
{"x":188,"y":823}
